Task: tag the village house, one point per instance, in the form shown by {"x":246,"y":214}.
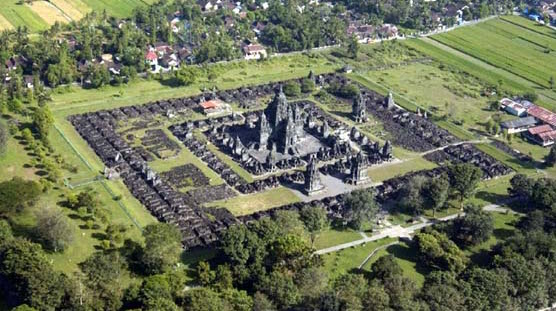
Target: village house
{"x":512,"y":107}
{"x":543,"y":135}
{"x":518,"y":125}
{"x":151,"y":59}
{"x":254,"y":51}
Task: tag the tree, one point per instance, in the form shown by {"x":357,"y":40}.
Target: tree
{"x":262,"y":303}
{"x":411,"y":198}
{"x":280,"y":288}
{"x":4,"y":136}
{"x":32,"y":279}
{"x":203,"y":299}
{"x":474,"y":227}
{"x":464,"y":179}
{"x":162,"y":247}
{"x":353,"y":47}
{"x":386,"y":267}
{"x":17,"y":194}
{"x":361,"y":207}
{"x":98,"y":75}
{"x":486,"y":290}
{"x":104,"y":273}
{"x":187,"y":75}
{"x":442,"y":292}
{"x":53,"y":228}
{"x":436,"y":193}
{"x":376,"y":298}
{"x":550,"y":158}
{"x":43,"y":120}
{"x":292,"y":89}
{"x":307,"y":85}
{"x":439,"y":252}
{"x":315,"y":221}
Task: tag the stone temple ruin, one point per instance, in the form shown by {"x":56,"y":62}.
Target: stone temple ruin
{"x":286,"y":144}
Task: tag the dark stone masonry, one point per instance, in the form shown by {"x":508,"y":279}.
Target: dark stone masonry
{"x":286,"y":143}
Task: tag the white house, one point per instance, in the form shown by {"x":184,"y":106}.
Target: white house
{"x":254,"y":51}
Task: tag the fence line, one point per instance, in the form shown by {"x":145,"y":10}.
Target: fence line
{"x":96,"y":178}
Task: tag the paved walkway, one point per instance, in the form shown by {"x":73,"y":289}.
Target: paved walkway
{"x":390,"y":232}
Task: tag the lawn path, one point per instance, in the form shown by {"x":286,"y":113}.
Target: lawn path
{"x":374,"y":252}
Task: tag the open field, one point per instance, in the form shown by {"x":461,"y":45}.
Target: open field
{"x":251,"y":203}
{"x":22,"y":15}
{"x":390,"y":170}
{"x":120,"y":8}
{"x":68,"y":9}
{"x":445,"y":93}
{"x":48,"y":12}
{"x":346,"y":260}
{"x":508,"y":46}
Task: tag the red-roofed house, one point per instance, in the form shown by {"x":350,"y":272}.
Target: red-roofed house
{"x":543,"y":135}
{"x":151,"y":58}
{"x":215,"y":107}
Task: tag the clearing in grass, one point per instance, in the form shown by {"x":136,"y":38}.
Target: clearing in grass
{"x":251,"y":203}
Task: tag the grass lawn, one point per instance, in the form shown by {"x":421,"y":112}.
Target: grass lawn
{"x":334,"y":236}
{"x":454,"y":94}
{"x":406,"y":257}
{"x":390,"y":170}
{"x":346,"y":260}
{"x":85,"y":241}
{"x":251,"y":203}
{"x":4,"y":25}
{"x":120,"y":8}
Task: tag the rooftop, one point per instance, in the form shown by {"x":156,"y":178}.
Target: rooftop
{"x":542,"y":114}
{"x":519,"y":122}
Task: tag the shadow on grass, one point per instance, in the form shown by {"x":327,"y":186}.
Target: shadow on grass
{"x":482,"y":258}
{"x":409,"y":253}
{"x":193,"y":256}
{"x":501,"y":233}
{"x":490,"y":197}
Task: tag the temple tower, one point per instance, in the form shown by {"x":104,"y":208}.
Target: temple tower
{"x":278,"y":109}
{"x":359,"y":109}
{"x":264,"y":131}
{"x":313,"y":183}
{"x":358,"y":169}
{"x":390,"y":101}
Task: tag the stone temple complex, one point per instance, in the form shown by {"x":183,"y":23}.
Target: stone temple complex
{"x":280,"y":124}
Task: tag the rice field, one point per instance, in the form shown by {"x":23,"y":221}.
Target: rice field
{"x":48,"y":12}
{"x":69,"y":10}
{"x":4,"y":24}
{"x":40,"y":15}
{"x":19,"y":15}
{"x":514,"y":48}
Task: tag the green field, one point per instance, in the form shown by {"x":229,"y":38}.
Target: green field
{"x":21,"y":15}
{"x":529,"y":24}
{"x":516,"y":49}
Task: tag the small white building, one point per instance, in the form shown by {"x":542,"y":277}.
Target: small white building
{"x":254,"y":51}
{"x":513,"y":107}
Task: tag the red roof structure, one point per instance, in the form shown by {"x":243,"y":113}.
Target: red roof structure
{"x":540,"y":129}
{"x":151,"y":56}
{"x":210,"y":104}
{"x":542,"y":114}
